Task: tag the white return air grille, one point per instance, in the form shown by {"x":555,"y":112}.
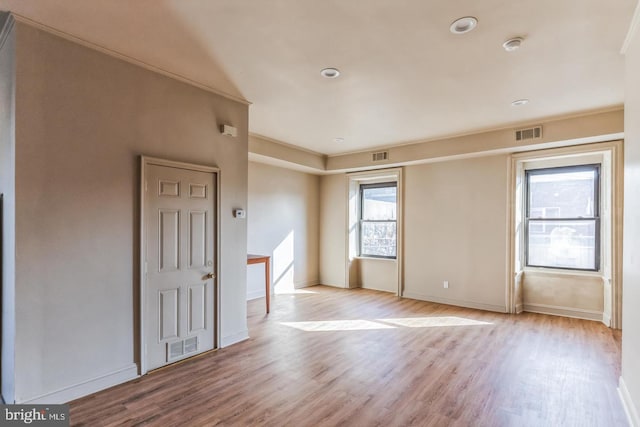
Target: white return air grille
{"x":380,"y":156}
{"x":529,"y":133}
{"x":178,"y":349}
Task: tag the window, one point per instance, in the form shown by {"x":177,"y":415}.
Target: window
{"x":377,"y":220}
{"x":562,"y":218}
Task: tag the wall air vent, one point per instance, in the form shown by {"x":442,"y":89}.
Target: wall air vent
{"x":529,"y":133}
{"x":380,"y":156}
{"x":178,"y":349}
{"x":175,"y":350}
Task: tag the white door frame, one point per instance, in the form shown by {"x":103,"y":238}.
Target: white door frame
{"x":147,"y":161}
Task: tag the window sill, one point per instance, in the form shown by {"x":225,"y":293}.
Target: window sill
{"x":375,"y":258}
{"x":560,"y":272}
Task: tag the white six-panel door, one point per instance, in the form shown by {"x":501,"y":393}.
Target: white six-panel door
{"x":179,"y":276}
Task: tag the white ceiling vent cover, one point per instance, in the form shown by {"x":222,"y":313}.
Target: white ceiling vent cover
{"x":529,"y":133}
{"x":380,"y":156}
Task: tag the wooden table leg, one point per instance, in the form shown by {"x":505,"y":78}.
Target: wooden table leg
{"x":267,"y":276}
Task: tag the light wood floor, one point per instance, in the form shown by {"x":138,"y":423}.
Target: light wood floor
{"x":366,"y":358}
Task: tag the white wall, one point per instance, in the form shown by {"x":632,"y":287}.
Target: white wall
{"x":7,"y":187}
{"x":283,"y":222}
{"x":333,"y":230}
{"x":455,"y":225}
{"x":82,"y":121}
{"x":630,"y":379}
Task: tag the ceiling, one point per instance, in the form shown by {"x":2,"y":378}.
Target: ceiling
{"x":405,"y":77}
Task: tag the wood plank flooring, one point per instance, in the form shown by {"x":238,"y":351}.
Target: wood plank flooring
{"x":335,"y":357}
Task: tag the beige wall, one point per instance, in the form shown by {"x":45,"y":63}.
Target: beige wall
{"x":456,"y":229}
{"x":283,"y":222}
{"x":630,"y":380}
{"x":564,"y":294}
{"x":7,"y":185}
{"x":378,"y":274}
{"x":333,"y":230}
{"x":82,"y":121}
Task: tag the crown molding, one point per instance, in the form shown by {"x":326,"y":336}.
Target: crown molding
{"x":633,"y":29}
{"x":507,"y":126}
{"x":74,"y":39}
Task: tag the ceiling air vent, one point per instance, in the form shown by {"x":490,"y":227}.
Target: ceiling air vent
{"x":380,"y":156}
{"x":529,"y":133}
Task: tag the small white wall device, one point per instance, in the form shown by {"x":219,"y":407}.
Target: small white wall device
{"x":239,"y":213}
{"x":228,"y":130}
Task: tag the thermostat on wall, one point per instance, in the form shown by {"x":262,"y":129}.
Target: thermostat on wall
{"x":239,"y":213}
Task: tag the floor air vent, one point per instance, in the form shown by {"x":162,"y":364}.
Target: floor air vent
{"x":379,"y":156}
{"x":177,"y":349}
{"x":529,"y":133}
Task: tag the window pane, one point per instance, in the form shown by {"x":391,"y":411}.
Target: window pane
{"x":565,"y":244}
{"x":562,"y":194}
{"x":379,"y":203}
{"x":378,"y":238}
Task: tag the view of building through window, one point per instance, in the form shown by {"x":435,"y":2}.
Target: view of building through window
{"x":378,"y":220}
{"x":562,"y":216}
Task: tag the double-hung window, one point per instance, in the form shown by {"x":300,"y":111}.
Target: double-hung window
{"x":562,"y":217}
{"x":377,"y":220}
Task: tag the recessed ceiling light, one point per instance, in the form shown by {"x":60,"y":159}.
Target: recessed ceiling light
{"x":330,"y":73}
{"x":463,"y":25}
{"x":512,"y":44}
{"x":338,"y":140}
{"x":518,"y":102}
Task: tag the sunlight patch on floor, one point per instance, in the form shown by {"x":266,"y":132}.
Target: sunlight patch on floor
{"x":291,"y":290}
{"x":431,"y":322}
{"x":361,"y":324}
{"x":337,"y":325}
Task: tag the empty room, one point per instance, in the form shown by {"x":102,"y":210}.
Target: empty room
{"x":356,"y":213}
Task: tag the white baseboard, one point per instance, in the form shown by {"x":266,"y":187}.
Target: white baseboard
{"x":554,"y":310}
{"x":306,"y":284}
{"x":606,"y":319}
{"x":234,"y":339}
{"x":333,"y":285}
{"x":378,"y":289}
{"x":627,"y":403}
{"x":456,"y":302}
{"x":519,"y":308}
{"x":85,"y":388}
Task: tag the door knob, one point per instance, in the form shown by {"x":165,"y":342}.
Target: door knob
{"x":211,"y":276}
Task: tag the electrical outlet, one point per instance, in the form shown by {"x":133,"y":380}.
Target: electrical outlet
{"x":445,"y":284}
